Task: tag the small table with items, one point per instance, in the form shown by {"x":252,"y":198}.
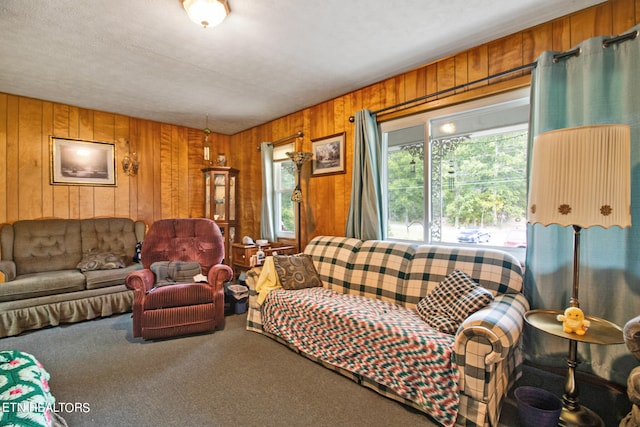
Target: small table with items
{"x":242,"y":254}
{"x":600,"y":332}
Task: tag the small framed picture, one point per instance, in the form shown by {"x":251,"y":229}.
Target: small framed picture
{"x":80,"y":162}
{"x":328,"y":155}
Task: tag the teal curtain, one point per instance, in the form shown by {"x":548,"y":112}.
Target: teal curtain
{"x":600,"y":85}
{"x":365,"y":220}
{"x":268,"y":221}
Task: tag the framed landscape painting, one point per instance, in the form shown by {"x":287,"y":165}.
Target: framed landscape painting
{"x":80,"y":162}
{"x":328,"y":155}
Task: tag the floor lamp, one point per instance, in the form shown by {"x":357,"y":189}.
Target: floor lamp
{"x":580,"y":177}
{"x":299,"y":158}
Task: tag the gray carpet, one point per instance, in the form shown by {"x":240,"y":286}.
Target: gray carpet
{"x":229,"y":378}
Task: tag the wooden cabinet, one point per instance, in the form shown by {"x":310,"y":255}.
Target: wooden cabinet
{"x":241,"y":254}
{"x":220,"y":203}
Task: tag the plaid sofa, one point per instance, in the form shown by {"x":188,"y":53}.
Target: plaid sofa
{"x":487,"y":345}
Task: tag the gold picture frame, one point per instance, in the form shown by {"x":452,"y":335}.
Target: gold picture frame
{"x":328,"y":155}
{"x":82,"y":162}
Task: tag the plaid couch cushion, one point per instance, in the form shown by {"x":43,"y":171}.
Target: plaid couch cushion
{"x":331,"y":256}
{"x":452,"y":301}
{"x":405,"y":273}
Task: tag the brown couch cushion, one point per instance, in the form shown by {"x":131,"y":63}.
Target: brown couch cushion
{"x":114,"y":235}
{"x":103,"y":278}
{"x":41,"y":284}
{"x":46,"y":245}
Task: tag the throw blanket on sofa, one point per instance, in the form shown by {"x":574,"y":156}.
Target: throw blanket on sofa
{"x":25,"y":398}
{"x":378,"y":340}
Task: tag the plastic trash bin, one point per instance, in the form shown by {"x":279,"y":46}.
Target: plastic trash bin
{"x":239,"y":295}
{"x":537,"y":407}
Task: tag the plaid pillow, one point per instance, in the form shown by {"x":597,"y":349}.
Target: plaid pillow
{"x":170,"y":272}
{"x":296,"y":271}
{"x":452,"y":301}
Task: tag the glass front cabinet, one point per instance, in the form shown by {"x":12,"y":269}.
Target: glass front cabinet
{"x":220,"y":203}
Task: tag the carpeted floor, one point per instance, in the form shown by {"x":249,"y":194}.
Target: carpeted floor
{"x":105,"y":378}
{"x":228,"y":378}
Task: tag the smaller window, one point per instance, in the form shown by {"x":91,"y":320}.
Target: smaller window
{"x":284,"y":184}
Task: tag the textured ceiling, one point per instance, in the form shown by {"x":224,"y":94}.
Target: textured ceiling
{"x":146,"y":59}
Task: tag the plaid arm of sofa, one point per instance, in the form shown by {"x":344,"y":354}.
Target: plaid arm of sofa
{"x":500,"y":325}
{"x":7,"y":271}
{"x":254,"y":316}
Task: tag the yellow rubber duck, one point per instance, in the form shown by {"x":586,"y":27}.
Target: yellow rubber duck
{"x":574,"y":321}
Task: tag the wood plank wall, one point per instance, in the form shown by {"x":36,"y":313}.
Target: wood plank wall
{"x":326,"y":199}
{"x":169,"y":183}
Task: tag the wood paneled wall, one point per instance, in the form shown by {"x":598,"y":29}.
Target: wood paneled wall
{"x":169,"y":183}
{"x":326,"y":199}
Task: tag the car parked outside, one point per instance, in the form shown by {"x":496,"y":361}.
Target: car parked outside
{"x":516,"y":238}
{"x":473,"y":235}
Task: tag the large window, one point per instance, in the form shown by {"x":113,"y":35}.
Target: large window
{"x":458,"y":175}
{"x":284,"y":184}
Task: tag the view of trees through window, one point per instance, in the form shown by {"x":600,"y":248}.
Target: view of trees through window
{"x":288,"y":184}
{"x":284,"y":184}
{"x":470,"y":189}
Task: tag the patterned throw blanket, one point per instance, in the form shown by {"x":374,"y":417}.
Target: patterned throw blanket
{"x":377,"y":340}
{"x":25,"y":399}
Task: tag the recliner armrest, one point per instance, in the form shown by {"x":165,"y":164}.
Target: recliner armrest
{"x":218,"y":275}
{"x":142,"y":280}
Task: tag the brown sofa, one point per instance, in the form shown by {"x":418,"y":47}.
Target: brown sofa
{"x":56,"y":271}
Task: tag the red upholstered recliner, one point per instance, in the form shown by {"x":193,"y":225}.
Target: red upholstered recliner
{"x":184,"y":308}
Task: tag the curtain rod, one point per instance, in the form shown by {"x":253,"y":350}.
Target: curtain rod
{"x":298,"y":134}
{"x":451,"y":89}
{"x":574,"y":52}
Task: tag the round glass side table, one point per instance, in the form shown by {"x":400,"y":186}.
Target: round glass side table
{"x":600,"y":332}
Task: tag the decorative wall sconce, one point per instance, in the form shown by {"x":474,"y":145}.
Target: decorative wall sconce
{"x":206,"y":144}
{"x":130,"y":163}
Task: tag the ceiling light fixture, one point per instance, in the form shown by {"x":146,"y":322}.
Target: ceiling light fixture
{"x":207,"y":13}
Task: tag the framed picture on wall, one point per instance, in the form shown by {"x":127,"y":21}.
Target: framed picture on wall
{"x":328,"y":155}
{"x":80,"y":162}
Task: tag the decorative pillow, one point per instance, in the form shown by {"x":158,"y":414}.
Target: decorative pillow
{"x":453,"y":300}
{"x":100,"y":261}
{"x":168,"y":272}
{"x":296,"y":271}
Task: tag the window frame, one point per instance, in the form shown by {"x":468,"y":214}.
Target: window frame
{"x":279,"y":158}
{"x":425,"y":119}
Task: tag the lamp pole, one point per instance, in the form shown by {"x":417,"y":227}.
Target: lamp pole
{"x":299,"y":158}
